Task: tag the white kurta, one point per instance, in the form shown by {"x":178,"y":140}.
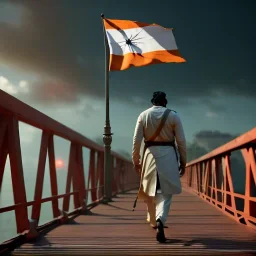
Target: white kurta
{"x":160,"y":159}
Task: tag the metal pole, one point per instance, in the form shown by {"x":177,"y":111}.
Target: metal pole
{"x":107,"y":136}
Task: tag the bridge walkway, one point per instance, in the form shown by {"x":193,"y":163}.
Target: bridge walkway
{"x":194,"y":228}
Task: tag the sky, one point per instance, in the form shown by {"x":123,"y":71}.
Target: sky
{"x":52,"y":58}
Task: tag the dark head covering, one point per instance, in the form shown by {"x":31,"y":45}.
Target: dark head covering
{"x":159,"y":98}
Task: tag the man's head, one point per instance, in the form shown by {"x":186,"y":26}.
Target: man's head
{"x":159,"y":99}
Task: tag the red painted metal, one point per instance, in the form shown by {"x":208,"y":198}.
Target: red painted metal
{"x":101,"y":174}
{"x":81,"y":181}
{"x":3,"y":147}
{"x":31,"y":203}
{"x":53,"y":177}
{"x":211,"y":178}
{"x":40,"y":177}
{"x":92,"y":175}
{"x":11,"y":112}
{"x":19,"y":191}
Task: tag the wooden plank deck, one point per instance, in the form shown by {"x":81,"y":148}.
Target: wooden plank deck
{"x":194,"y":228}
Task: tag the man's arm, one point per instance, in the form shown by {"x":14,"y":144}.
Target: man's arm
{"x":181,"y":141}
{"x":137,"y":138}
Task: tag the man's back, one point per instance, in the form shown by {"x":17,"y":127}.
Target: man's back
{"x":148,"y":122}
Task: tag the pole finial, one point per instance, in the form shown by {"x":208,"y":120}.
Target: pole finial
{"x":102,"y":15}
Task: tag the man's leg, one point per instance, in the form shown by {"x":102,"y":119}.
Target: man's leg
{"x":151,"y":212}
{"x":163,"y":204}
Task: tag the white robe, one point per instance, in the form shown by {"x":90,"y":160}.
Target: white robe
{"x":160,"y":159}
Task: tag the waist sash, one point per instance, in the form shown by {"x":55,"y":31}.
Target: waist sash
{"x":159,"y":143}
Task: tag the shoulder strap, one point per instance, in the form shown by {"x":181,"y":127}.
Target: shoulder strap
{"x":163,"y":120}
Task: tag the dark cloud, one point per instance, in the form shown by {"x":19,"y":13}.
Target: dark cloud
{"x":51,"y":91}
{"x":213,"y":106}
{"x":205,"y":141}
{"x":43,"y":43}
{"x":212,"y":139}
{"x":195,"y":151}
{"x":62,"y":41}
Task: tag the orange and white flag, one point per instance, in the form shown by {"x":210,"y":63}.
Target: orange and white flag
{"x":133,"y":43}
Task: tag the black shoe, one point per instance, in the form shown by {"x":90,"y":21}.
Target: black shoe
{"x":160,"y":237}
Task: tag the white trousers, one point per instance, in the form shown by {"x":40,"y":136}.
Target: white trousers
{"x":163,"y":204}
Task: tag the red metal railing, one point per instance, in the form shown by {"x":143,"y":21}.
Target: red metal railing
{"x":11,"y":112}
{"x":211,"y":177}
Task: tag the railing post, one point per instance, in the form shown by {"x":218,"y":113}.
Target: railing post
{"x":250,"y":182}
{"x":119,"y":175}
{"x":114,"y":176}
{"x":91,"y":176}
{"x":219,"y":177}
{"x":206,"y":178}
{"x":75,"y":178}
{"x":18,"y":183}
{"x":40,"y":177}
{"x":124,"y":176}
{"x":71,"y":167}
{"x":229,"y":199}
{"x":3,"y":147}
{"x":107,"y":171}
{"x":214,"y":193}
{"x":102,"y":182}
{"x":98,"y":171}
{"x":53,"y":177}
{"x":82,"y":187}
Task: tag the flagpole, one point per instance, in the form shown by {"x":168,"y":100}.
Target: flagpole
{"x":107,"y":136}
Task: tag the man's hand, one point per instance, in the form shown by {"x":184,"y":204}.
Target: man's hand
{"x":182,"y":170}
{"x":137,"y":168}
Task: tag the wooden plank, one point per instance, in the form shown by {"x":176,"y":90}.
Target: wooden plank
{"x":194,"y":228}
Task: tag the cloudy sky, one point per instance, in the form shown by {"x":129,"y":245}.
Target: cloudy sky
{"x":52,"y":57}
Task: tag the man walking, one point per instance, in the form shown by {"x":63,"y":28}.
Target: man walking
{"x":159,"y":167}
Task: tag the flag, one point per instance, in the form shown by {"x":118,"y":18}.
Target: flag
{"x":133,"y":43}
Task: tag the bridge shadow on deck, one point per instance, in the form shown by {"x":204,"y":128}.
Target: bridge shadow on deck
{"x":195,"y":228}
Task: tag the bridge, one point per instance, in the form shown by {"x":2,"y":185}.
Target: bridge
{"x":211,"y":216}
